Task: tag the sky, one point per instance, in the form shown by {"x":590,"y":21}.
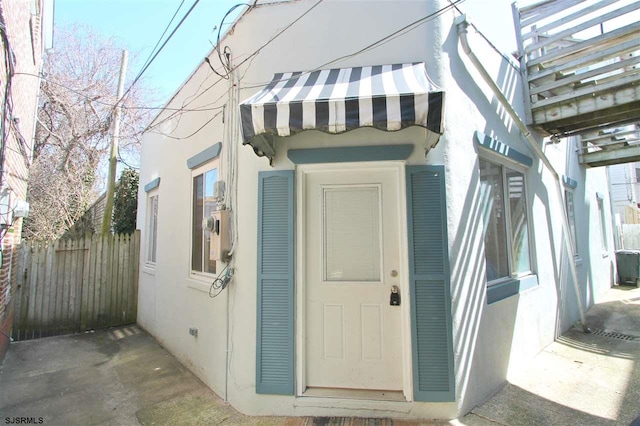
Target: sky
{"x":140,"y":23}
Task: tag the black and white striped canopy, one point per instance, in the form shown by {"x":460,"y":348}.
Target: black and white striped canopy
{"x":387,"y":97}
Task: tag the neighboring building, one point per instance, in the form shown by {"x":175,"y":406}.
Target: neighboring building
{"x":26,"y":28}
{"x":387,"y":245}
{"x":624,"y":183}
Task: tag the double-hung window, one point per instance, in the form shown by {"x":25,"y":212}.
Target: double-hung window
{"x":203,"y":204}
{"x":152,"y":228}
{"x":505,"y":218}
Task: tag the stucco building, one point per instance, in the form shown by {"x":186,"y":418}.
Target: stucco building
{"x":388,"y":244}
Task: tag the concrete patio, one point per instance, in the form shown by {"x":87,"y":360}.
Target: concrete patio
{"x":123,"y":377}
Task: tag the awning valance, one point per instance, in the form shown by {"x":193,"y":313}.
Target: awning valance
{"x":387,"y":97}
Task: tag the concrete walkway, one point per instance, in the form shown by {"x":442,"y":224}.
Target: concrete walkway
{"x":123,"y":377}
{"x":581,"y":379}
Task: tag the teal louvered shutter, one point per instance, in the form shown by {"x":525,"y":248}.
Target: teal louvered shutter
{"x":431,"y":334}
{"x":275,"y":318}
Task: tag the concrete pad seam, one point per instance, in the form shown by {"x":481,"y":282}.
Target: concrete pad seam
{"x":488,"y":419}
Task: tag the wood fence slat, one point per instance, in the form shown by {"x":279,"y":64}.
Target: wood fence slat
{"x":40,"y":288}
{"x":122,"y":275}
{"x":25,"y":293}
{"x":126,"y":280}
{"x":115,"y":318}
{"x":79,"y":276}
{"x":46,"y":302}
{"x":91,"y":283}
{"x":32,"y":292}
{"x":21,"y":286}
{"x":72,"y":283}
{"x":66,"y":294}
{"x":84,"y":307}
{"x":133,"y":291}
{"x":108,"y":242}
{"x":114,"y":280}
{"x":59,"y":285}
{"x":98,"y":309}
{"x":130,"y":281}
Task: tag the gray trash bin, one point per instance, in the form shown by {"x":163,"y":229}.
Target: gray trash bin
{"x":628,"y":262}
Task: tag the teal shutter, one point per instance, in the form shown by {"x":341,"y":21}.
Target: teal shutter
{"x":275,"y":333}
{"x":433,"y":374}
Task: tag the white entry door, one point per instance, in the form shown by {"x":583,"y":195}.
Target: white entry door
{"x":352,"y":260}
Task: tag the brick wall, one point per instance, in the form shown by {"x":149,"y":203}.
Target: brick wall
{"x":23,"y":27}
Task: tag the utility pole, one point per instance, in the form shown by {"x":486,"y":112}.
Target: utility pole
{"x":113,"y":160}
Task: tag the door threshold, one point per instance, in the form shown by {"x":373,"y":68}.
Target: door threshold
{"x":370,"y":394}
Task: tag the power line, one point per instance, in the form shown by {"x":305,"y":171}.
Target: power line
{"x":163,"y":33}
{"x":407,"y":28}
{"x":195,"y":132}
{"x":257,"y":51}
{"x":113,"y":105}
{"x":135,"y":80}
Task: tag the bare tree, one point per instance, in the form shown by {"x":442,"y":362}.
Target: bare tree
{"x":77,"y":99}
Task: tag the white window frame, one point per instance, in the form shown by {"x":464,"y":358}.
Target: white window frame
{"x":202,"y":170}
{"x":571,"y":217}
{"x":151,"y":227}
{"x":498,"y":161}
{"x":603,"y":228}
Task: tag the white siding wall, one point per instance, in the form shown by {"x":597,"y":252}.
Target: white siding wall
{"x":488,"y":340}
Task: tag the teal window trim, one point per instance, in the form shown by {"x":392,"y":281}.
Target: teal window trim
{"x":350,"y":154}
{"x":204,"y":156}
{"x":569,"y":183}
{"x":502,"y":149}
{"x":152,"y":185}
{"x":510,"y":287}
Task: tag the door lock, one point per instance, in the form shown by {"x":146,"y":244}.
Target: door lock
{"x":395,"y":296}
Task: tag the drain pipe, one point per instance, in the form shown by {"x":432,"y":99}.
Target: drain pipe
{"x":462,"y":24}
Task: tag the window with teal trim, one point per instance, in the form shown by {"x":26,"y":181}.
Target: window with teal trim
{"x":505,"y":219}
{"x":204,"y":204}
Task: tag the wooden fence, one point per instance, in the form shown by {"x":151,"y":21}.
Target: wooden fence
{"x":630,"y":236}
{"x":69,"y":286}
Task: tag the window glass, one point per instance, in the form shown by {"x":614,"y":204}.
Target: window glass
{"x":152,"y":229}
{"x":196,"y":237}
{"x":521,"y":259}
{"x":203,"y":204}
{"x":210,"y":178}
{"x":351,"y":234}
{"x":495,"y":236}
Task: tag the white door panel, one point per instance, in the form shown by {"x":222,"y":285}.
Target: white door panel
{"x":353,"y":335}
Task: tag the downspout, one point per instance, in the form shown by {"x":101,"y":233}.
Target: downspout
{"x":462,"y":24}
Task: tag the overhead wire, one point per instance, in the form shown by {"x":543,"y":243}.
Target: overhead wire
{"x":163,"y":33}
{"x":113,"y":105}
{"x":402,"y":31}
{"x":256,"y":52}
{"x":142,"y":71}
{"x":407,"y":28}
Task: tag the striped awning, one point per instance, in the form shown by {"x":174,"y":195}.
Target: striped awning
{"x":387,"y":97}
